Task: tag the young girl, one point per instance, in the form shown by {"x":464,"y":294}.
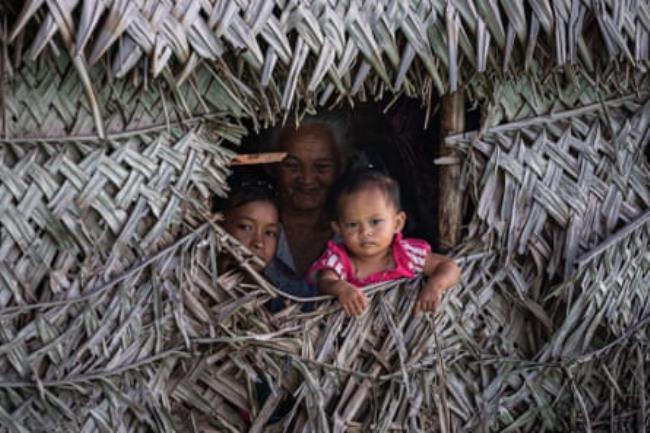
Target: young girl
{"x":369,"y":221}
{"x":251,"y":216}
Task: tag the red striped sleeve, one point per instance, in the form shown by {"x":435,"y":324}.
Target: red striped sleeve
{"x":417,"y":251}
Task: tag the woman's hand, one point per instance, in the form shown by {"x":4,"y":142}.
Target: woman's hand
{"x":429,"y":297}
{"x":352,"y":299}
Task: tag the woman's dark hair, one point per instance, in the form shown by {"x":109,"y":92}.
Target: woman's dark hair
{"x":244,"y":190}
{"x":359,"y":179}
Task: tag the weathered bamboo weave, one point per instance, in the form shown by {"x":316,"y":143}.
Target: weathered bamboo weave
{"x":128,"y":108}
{"x":501,"y":342}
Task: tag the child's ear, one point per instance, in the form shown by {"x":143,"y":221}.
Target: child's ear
{"x":336,"y":227}
{"x":400,"y":220}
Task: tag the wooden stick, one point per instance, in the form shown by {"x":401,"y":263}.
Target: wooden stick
{"x":258,"y":158}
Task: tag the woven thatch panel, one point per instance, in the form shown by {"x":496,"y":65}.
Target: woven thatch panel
{"x":63,"y":111}
{"x":173,"y":345}
{"x":561,"y":182}
{"x":66,"y":202}
{"x":540,"y":93}
{"x":286,"y":35}
{"x":301,"y":54}
{"x":136,"y":106}
{"x":113,"y":316}
{"x":169,"y":343}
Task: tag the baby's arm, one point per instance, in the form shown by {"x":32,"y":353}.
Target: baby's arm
{"x":442,"y":273}
{"x":353,"y":300}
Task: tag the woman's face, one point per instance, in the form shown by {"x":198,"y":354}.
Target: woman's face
{"x":255,"y":225}
{"x":310,"y":168}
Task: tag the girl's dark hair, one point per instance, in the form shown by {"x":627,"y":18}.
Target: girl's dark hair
{"x":359,"y":179}
{"x":244,"y":190}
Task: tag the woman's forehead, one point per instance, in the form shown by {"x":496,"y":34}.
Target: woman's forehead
{"x":312,"y":140}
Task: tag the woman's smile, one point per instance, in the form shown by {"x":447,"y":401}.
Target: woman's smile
{"x":307,"y":173}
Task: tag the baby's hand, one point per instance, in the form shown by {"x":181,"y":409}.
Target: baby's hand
{"x":352,"y":299}
{"x":429,"y":297}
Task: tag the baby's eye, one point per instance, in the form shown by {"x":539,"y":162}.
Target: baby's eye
{"x":351,"y":225}
{"x":375,"y":221}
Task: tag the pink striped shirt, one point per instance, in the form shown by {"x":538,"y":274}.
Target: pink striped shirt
{"x":409,"y":256}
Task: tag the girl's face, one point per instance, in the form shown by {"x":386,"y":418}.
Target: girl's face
{"x":255,"y":225}
{"x":367,"y":222}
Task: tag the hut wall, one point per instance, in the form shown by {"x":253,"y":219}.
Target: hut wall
{"x":113,"y":316}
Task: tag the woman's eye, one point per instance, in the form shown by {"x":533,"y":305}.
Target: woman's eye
{"x":323,"y":167}
{"x":291,"y":166}
{"x":272,"y":234}
{"x":245,"y":227}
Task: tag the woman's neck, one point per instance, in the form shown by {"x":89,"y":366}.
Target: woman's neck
{"x":307,"y":234}
{"x":303,"y":218}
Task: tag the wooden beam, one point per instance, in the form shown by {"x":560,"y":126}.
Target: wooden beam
{"x":258,"y":158}
{"x":450,"y":196}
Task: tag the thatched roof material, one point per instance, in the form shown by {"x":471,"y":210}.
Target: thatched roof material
{"x":114,"y":317}
{"x":306,"y":53}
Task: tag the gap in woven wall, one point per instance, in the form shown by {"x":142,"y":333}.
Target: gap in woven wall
{"x":395,"y":140}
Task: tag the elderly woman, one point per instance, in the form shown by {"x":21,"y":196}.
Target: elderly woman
{"x":304,"y":180}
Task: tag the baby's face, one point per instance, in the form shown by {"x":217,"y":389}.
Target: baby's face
{"x":255,"y":225}
{"x":367,"y":222}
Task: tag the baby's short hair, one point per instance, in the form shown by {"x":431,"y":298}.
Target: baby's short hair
{"x":360,"y":179}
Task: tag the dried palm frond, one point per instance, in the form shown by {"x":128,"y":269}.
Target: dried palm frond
{"x":189,"y":351}
{"x":304,"y":54}
{"x":114,"y":312}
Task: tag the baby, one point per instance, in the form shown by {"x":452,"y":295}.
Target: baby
{"x":369,"y":221}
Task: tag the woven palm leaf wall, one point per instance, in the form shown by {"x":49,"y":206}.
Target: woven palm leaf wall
{"x":272,"y":56}
{"x":113,"y":314}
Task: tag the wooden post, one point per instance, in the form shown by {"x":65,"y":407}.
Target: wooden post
{"x":450,"y":197}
